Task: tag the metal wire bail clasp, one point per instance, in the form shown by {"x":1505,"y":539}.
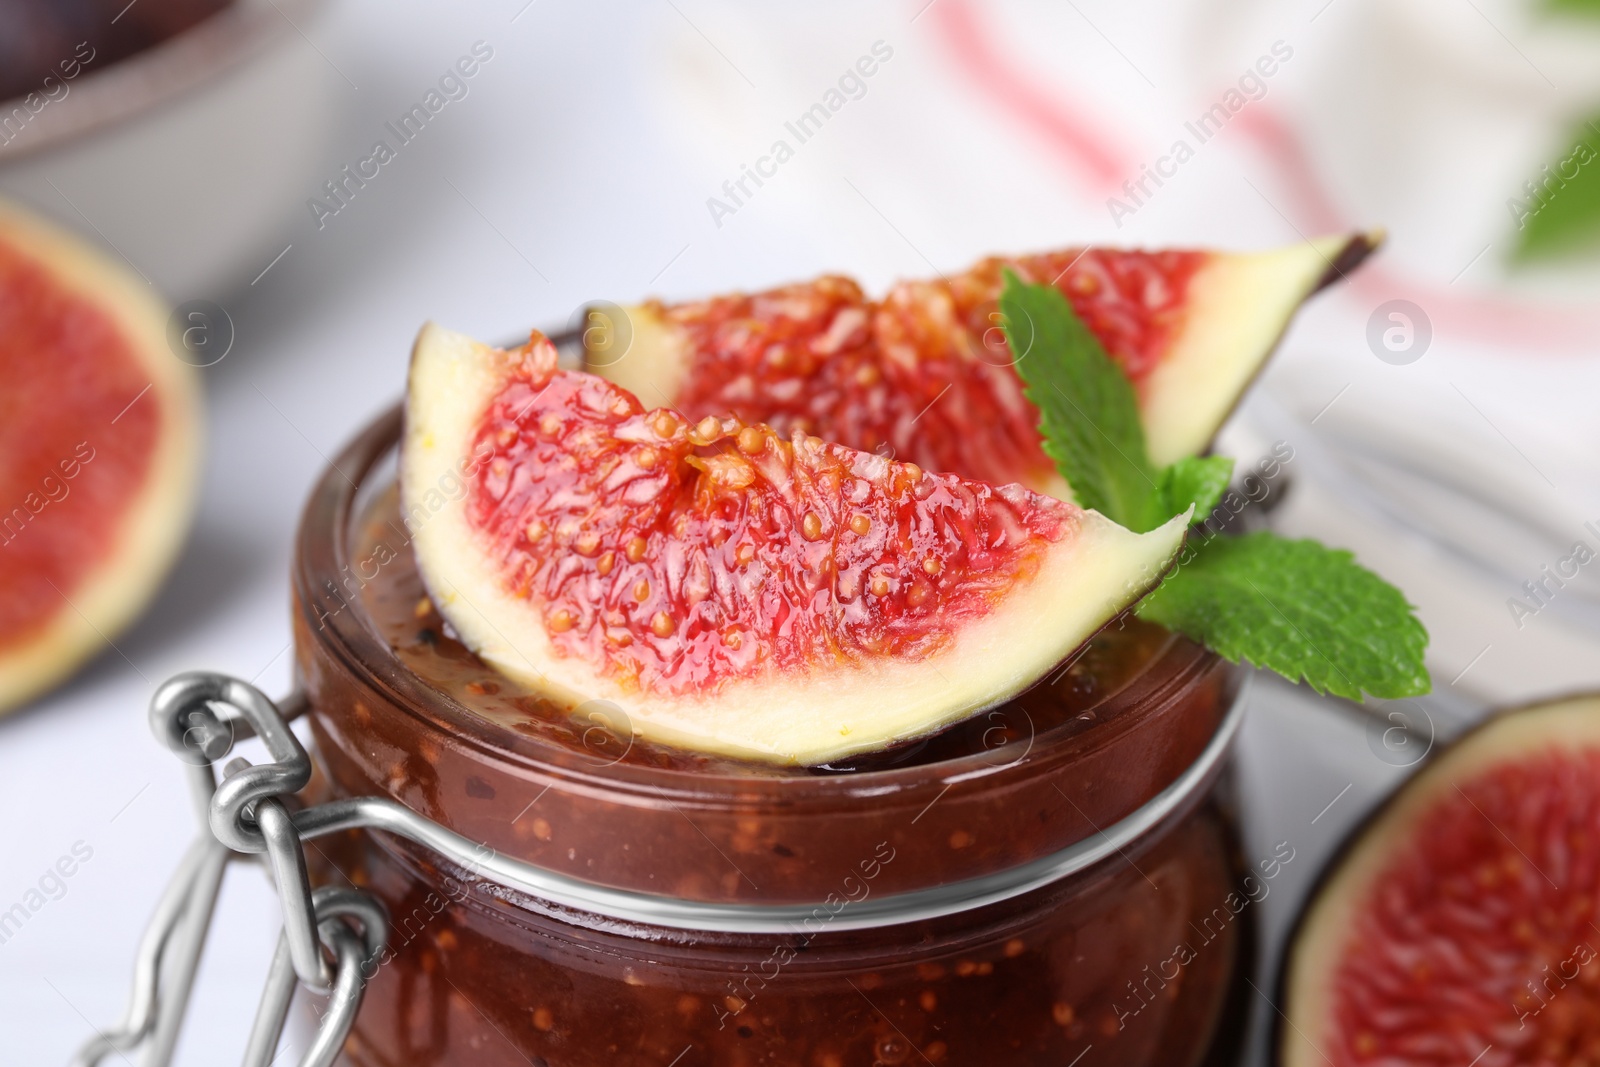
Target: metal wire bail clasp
{"x":251,"y":812}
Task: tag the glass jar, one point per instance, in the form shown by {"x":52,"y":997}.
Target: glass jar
{"x":1060,"y":891}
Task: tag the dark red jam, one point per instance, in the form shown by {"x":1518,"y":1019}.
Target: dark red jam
{"x":1079,"y":973}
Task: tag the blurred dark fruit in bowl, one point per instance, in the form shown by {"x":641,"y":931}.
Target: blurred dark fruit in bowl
{"x":36,"y":35}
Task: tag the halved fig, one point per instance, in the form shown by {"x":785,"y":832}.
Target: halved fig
{"x":99,"y":452}
{"x":731,"y":589}
{"x":926,"y":372}
{"x":1459,"y":925}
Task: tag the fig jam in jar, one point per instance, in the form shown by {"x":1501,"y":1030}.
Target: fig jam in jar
{"x":1045,"y":884}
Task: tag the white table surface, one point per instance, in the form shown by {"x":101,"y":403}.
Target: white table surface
{"x":577,"y":169}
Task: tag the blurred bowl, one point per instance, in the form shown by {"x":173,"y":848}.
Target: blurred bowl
{"x":191,"y":157}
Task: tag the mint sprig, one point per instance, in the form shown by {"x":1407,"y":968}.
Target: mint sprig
{"x":1088,"y":415}
{"x":1197,"y":480}
{"x":1574,"y":7}
{"x":1302,"y":609}
{"x":1560,"y":214}
{"x":1306,"y":611}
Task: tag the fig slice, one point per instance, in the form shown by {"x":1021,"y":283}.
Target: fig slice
{"x":1459,"y":924}
{"x":925,"y":374}
{"x":730,"y":589}
{"x":99,"y":452}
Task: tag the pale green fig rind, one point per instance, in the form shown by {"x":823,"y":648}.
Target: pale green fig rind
{"x":1238,"y":307}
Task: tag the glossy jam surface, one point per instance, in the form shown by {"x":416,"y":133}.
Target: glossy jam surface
{"x":675,"y":557}
{"x":78,"y":425}
{"x":925,"y":374}
{"x":1480,"y":935}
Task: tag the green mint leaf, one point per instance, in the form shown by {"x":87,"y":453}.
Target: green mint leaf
{"x":1562,"y":213}
{"x":1088,"y":414}
{"x":1297,"y":608}
{"x":1574,"y":7}
{"x":1197,"y":480}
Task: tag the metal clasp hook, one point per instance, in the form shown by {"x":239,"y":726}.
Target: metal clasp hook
{"x":248,"y":813}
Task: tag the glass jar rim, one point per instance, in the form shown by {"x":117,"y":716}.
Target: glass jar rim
{"x":835,"y":914}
